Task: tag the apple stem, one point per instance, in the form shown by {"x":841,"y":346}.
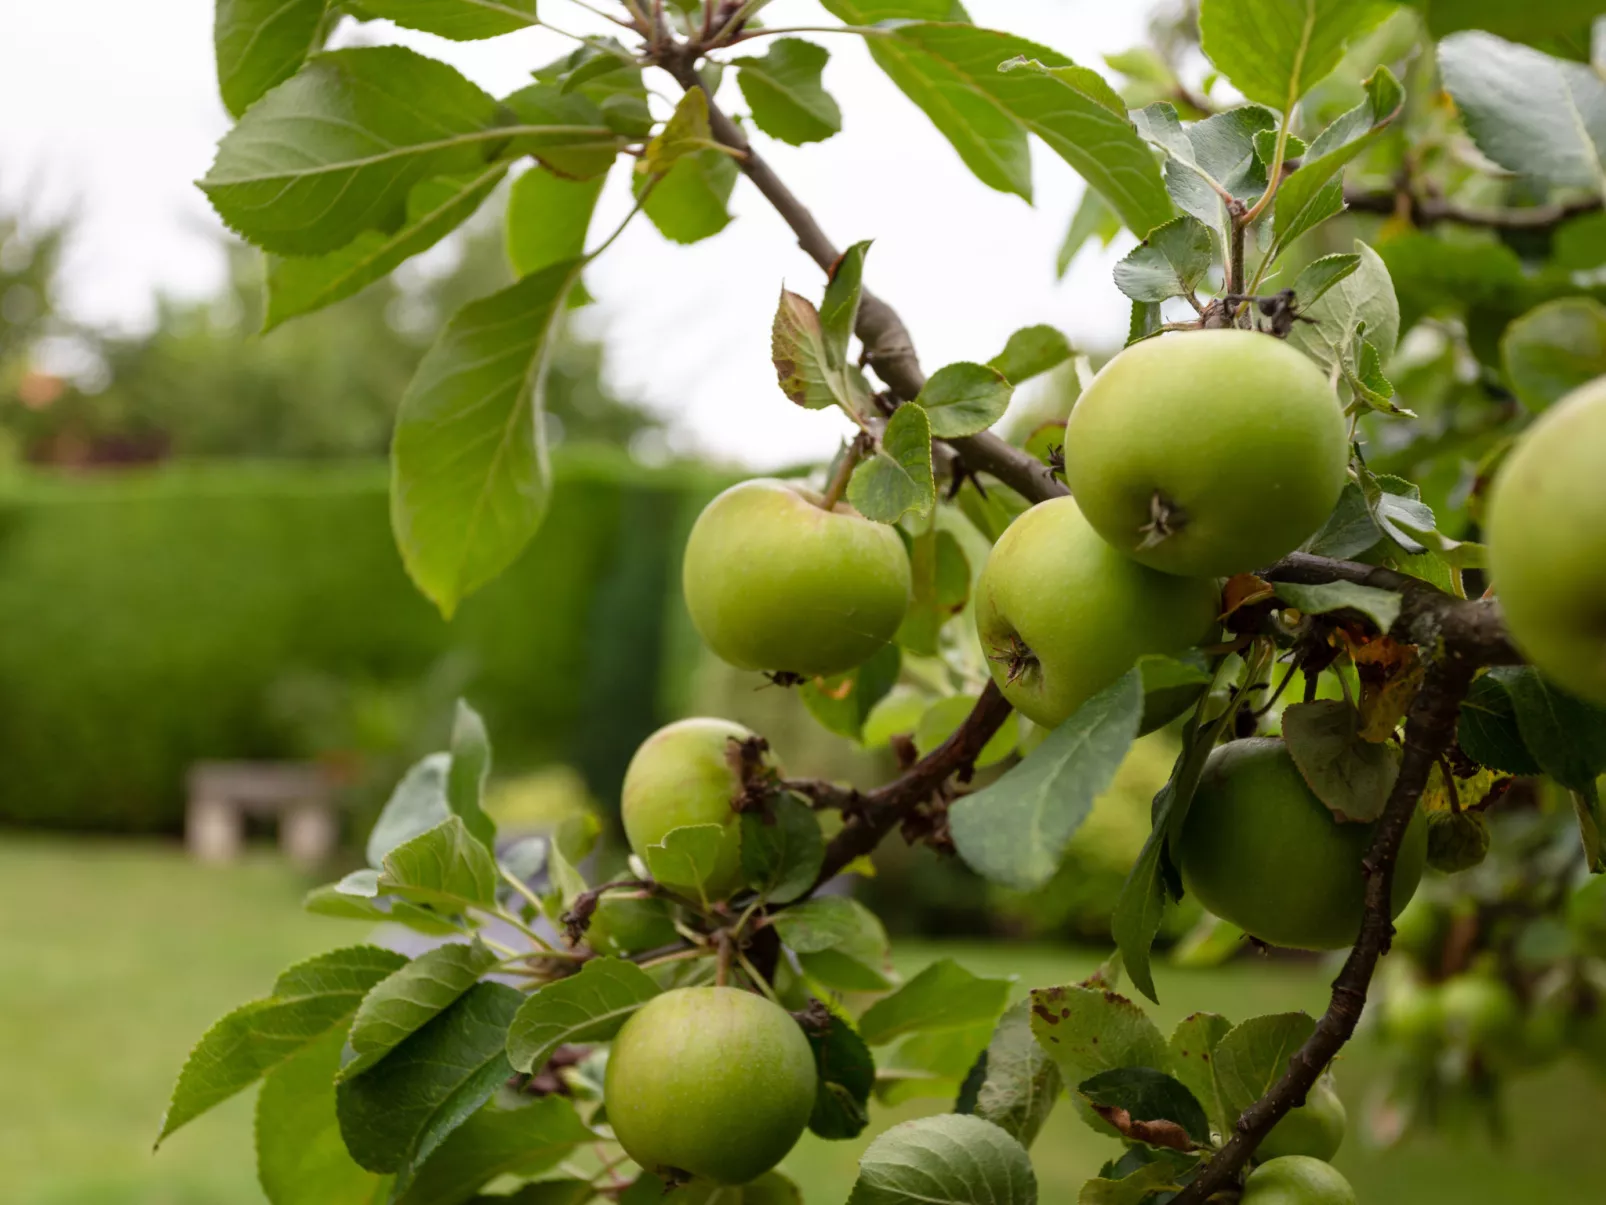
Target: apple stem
{"x":844,"y":470}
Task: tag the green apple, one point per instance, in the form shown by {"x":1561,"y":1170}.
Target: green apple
{"x":623,"y":924}
{"x":1413,"y":1015}
{"x":1061,"y":614}
{"x":1546,"y":527}
{"x":774,"y":581}
{"x":1259,"y":849}
{"x":1482,"y":1013}
{"x":681,"y":775}
{"x":1315,"y":1128}
{"x":1208,"y":453}
{"x":1296,"y":1180}
{"x":711,"y":1081}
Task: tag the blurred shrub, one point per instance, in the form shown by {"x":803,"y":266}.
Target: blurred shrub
{"x":156,"y":618}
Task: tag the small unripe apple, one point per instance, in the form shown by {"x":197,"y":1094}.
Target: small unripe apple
{"x":681,"y":775}
{"x":1413,"y":1015}
{"x":624,"y":925}
{"x":1546,"y":526}
{"x":1296,"y":1180}
{"x":1208,"y":453}
{"x":1259,"y":849}
{"x":1061,"y":614}
{"x":1482,"y":1013}
{"x":711,"y":1081}
{"x":775,"y":582}
{"x":1315,"y":1129}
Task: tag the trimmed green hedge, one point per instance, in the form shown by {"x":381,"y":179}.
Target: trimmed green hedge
{"x":145,"y":616}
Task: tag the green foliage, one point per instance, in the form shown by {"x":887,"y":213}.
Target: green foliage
{"x":951,"y":1158}
{"x":591,"y":1006}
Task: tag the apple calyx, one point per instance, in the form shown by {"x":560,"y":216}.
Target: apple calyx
{"x":1166,"y":518}
{"x":1017,"y":657}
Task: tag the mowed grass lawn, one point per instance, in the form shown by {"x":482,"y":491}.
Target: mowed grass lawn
{"x":114,"y":957}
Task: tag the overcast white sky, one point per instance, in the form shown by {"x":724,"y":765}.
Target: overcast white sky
{"x":111,"y":107}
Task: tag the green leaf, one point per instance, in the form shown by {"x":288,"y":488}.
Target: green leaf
{"x":410,"y":997}
{"x":1134,"y":1188}
{"x":1266,"y":147}
{"x":1362,"y":299}
{"x":859,"y":963}
{"x":1349,"y":530}
{"x":509,"y":1136}
{"x":308,"y":1000}
{"x":356,"y":897}
{"x":1371,"y":387}
{"x":943,"y":996}
{"x":460,"y":20}
{"x":685,"y":133}
{"x":687,"y":856}
{"x":1170,"y":686}
{"x":399,"y":1111}
{"x":417,"y":805}
{"x":1487,"y":730}
{"x":784,"y":94}
{"x":1015,"y":830}
{"x":548,"y":217}
{"x":1382,"y":607}
{"x":940,"y":574}
{"x":1251,"y":1057}
{"x":1031,"y":351}
{"x":898,"y":478}
{"x":1193,"y":1050}
{"x":336,"y":149}
{"x":1072,"y":109}
{"x":1537,"y":115}
{"x":301,"y":1159}
{"x":1020,"y":1083}
{"x":846,"y":1075}
{"x":817,"y":924}
{"x":1274,"y":51}
{"x":588,"y":1007}
{"x":964,"y":398}
{"x":1208,"y":159}
{"x":1093,"y":218}
{"x":1169,"y":263}
{"x":782,"y":852}
{"x":469,"y":472}
{"x":567,"y":1192}
{"x":567,"y":131}
{"x":1565,"y":735}
{"x":839,"y":309}
{"x":843,"y":702}
{"x":445,"y":867}
{"x":466,"y":778}
{"x":300,"y":284}
{"x":946,"y":1160}
{"x":1349,"y":774}
{"x":1147,"y":1095}
{"x":260,"y":43}
{"x":690,"y":203}
{"x":804,"y":367}
{"x":1088,"y":1029}
{"x":1299,"y":206}
{"x":1554,"y":348}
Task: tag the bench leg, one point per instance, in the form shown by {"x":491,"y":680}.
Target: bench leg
{"x":307,"y":834}
{"x":213,"y":830}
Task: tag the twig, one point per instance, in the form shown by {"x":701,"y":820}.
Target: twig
{"x":1428,"y":731}
{"x":844,"y":471}
{"x":1430,"y":211}
{"x":888,"y":348}
{"x":884,"y":807}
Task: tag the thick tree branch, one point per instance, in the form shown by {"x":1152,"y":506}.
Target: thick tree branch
{"x":1429,"y":618}
{"x":1429,"y":729}
{"x":888,"y":348}
{"x":1430,"y":211}
{"x":879,"y":811}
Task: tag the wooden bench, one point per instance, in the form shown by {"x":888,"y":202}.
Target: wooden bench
{"x":299,"y":796}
